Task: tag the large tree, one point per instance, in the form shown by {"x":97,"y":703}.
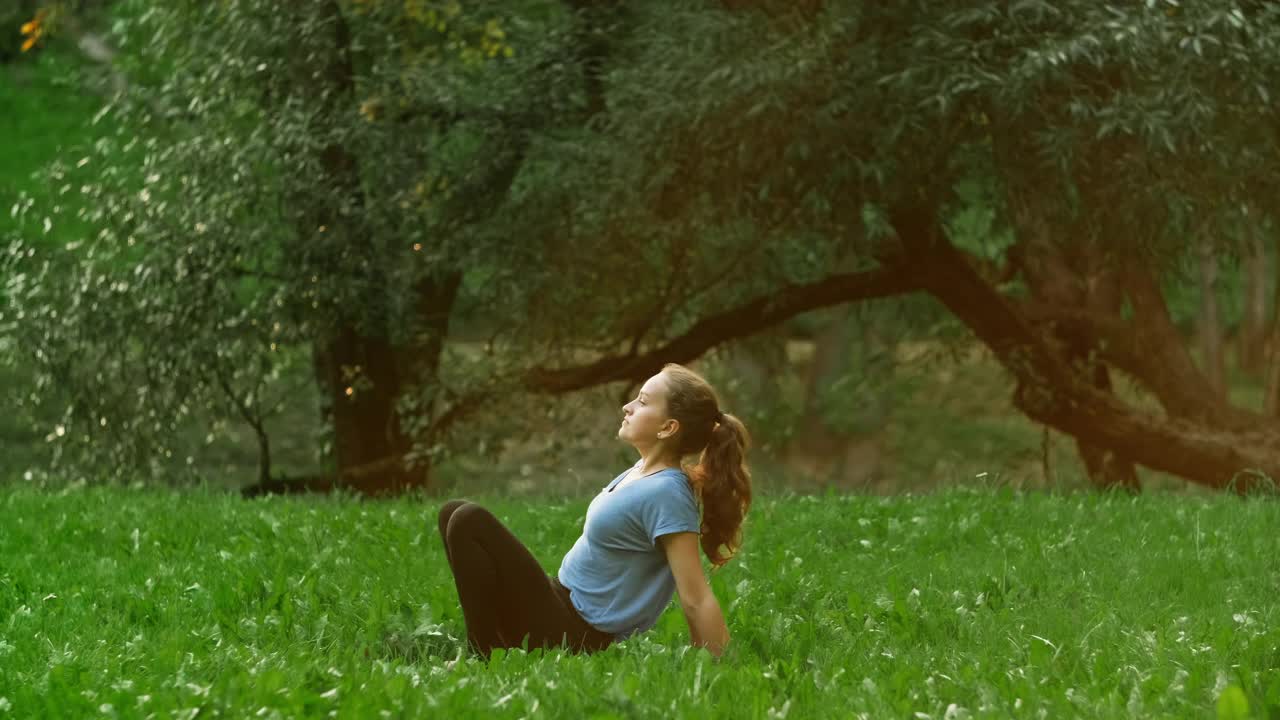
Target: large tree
{"x":642,"y":182}
{"x":1120,"y":139}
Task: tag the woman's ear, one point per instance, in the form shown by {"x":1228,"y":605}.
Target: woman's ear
{"x":669,"y":428}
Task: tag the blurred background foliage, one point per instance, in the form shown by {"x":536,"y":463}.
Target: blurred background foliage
{"x":247,"y":242}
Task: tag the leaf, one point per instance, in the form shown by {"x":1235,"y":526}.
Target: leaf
{"x":1233,"y":704}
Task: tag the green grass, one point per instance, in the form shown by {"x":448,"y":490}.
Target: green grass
{"x":987,"y":603}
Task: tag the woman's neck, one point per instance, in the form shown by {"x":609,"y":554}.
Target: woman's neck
{"x":656,"y":458}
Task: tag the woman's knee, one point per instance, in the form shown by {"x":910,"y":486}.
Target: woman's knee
{"x":446,"y":512}
{"x":466,"y":518}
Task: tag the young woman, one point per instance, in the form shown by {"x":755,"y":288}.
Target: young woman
{"x":639,"y":543}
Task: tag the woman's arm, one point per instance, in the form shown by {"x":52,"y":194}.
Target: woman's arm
{"x":706,"y":623}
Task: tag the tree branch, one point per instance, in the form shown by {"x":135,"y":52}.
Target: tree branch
{"x":1126,"y":346}
{"x":742,"y":321}
{"x":747,"y":319}
{"x":255,"y":421}
{"x":1049,"y":391}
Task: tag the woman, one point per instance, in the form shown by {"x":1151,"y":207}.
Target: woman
{"x":639,"y":543}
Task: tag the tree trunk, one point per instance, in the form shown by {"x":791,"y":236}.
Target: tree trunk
{"x":371,"y":446}
{"x":1271,"y":392}
{"x":1157,"y":354}
{"x":359,"y":369}
{"x":1253,"y":329}
{"x":1049,"y":391}
{"x":360,"y":373}
{"x":1210,"y":326}
{"x":1106,"y":469}
{"x":362,"y":379}
{"x":1057,"y":278}
{"x":752,"y":316}
{"x":823,"y":450}
{"x":754,"y":394}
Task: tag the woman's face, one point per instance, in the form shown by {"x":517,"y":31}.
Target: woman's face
{"x":644,"y":419}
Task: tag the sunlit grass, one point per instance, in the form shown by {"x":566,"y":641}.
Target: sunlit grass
{"x":958,"y":604}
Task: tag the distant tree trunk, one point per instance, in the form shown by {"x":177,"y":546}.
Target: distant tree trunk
{"x":1210,"y":325}
{"x":1271,"y":392}
{"x":1253,"y":329}
{"x":369,"y":443}
{"x":359,"y":371}
{"x":753,"y":392}
{"x":362,"y":381}
{"x":825,"y":451}
{"x":813,"y":445}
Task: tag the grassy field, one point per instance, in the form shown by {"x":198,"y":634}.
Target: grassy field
{"x":965,"y":603}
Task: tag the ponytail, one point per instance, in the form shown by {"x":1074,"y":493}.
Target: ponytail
{"x":723,"y":482}
{"x":720,"y":480}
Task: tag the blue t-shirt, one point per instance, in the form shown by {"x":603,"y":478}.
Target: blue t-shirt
{"x":616,"y":571}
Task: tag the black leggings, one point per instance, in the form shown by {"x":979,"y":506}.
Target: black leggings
{"x":505,"y":595}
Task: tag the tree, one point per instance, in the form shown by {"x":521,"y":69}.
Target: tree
{"x":690,"y":175}
{"x":198,"y":294}
{"x":1067,"y":107}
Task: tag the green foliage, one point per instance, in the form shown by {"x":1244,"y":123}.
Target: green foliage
{"x":42,"y":107}
{"x":283,"y":193}
{"x":977,"y":223}
{"x":960,"y":604}
{"x":594,"y":181}
{"x":220,"y":236}
{"x":1138,"y":121}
